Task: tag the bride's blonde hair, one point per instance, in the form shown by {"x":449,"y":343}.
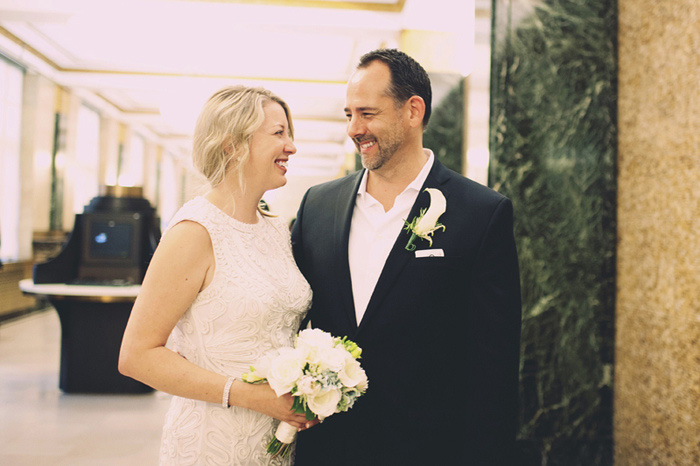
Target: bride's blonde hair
{"x":225,"y":127}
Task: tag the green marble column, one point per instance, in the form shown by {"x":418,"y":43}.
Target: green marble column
{"x":553,"y":152}
{"x":444,"y":134}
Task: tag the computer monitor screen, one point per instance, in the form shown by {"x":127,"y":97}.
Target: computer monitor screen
{"x":111,"y":247}
{"x":110,"y":239}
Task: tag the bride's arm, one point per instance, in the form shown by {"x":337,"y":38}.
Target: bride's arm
{"x":181,"y":267}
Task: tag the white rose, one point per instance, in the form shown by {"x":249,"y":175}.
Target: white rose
{"x":315,"y":337}
{"x":325,"y":403}
{"x":308,"y":386}
{"x":352,"y":374}
{"x":285,"y":370}
{"x":310,"y":341}
{"x":262,"y":365}
{"x":363,"y":384}
{"x":331,"y":358}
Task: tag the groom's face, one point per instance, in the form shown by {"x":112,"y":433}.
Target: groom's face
{"x":375,"y":124}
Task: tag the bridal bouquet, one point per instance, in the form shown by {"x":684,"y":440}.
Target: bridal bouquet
{"x":321,"y":372}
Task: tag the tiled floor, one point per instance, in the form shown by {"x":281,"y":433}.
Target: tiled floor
{"x":40,"y":425}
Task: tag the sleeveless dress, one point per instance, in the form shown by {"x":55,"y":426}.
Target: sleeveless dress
{"x":254,"y":304}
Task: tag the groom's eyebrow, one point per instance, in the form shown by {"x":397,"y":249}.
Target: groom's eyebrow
{"x":362,"y":109}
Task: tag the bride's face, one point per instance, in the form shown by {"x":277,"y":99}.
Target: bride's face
{"x":270,"y":149}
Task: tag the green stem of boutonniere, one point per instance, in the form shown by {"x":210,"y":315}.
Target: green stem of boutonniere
{"x":410,"y":246}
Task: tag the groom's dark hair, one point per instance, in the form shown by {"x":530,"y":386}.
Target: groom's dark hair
{"x":408,"y":78}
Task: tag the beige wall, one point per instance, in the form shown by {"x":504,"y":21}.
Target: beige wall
{"x":657,"y":389}
{"x":38,"y":113}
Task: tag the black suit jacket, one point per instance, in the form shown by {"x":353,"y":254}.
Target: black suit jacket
{"x":440,"y":335}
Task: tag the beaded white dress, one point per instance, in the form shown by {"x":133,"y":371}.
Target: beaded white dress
{"x":254,"y":304}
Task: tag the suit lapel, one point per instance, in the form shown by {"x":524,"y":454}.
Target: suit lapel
{"x":399,"y":257}
{"x":341,"y":234}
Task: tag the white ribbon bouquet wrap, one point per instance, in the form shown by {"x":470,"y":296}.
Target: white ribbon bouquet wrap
{"x":323,"y":374}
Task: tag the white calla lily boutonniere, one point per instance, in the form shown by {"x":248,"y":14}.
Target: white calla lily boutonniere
{"x":424,"y":225}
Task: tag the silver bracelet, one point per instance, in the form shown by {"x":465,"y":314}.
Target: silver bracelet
{"x":227,"y":390}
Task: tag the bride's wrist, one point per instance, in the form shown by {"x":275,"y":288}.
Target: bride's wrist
{"x":241,"y":394}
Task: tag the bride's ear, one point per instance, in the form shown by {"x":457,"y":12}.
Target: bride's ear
{"x":227,"y":146}
{"x":232,"y":159}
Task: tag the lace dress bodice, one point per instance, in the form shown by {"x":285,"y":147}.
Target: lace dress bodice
{"x":254,"y":304}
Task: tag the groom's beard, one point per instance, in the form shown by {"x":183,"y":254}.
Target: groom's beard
{"x":387,"y":146}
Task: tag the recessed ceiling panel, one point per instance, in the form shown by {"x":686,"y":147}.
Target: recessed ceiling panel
{"x":157,"y":61}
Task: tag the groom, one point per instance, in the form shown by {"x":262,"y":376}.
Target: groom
{"x":440,"y":325}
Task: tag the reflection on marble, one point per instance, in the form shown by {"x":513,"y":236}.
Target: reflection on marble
{"x":553,"y":146}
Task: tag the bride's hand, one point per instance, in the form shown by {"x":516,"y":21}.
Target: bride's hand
{"x":261,"y":398}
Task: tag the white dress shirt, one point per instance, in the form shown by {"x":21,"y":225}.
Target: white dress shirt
{"x":373,"y":233}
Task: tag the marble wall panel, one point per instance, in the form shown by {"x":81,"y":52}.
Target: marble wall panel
{"x":553,"y":152}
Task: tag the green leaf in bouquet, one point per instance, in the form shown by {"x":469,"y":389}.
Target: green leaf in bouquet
{"x":277,"y":448}
{"x":300,"y":407}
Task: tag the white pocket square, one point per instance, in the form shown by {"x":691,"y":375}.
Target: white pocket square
{"x":430,"y":253}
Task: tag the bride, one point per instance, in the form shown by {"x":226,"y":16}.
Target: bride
{"x":224,"y":287}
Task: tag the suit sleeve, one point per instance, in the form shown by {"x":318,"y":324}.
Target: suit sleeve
{"x":298,"y":248}
{"x":497,"y":318}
